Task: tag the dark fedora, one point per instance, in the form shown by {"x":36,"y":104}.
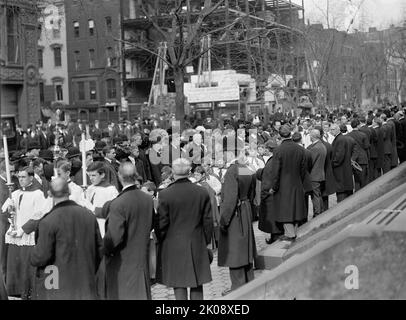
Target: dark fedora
{"x":99,"y":145}
{"x":73,"y":152}
{"x":46,"y":155}
{"x":33,"y":145}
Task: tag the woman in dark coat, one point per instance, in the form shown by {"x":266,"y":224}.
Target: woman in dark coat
{"x":237,"y":249}
{"x":184,"y":230}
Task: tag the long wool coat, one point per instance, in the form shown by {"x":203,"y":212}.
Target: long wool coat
{"x":69,"y":238}
{"x":236,"y":241}
{"x":266,"y":221}
{"x":330,"y":185}
{"x":287,"y":180}
{"x":184,"y":230}
{"x":128,"y":227}
{"x":342,"y":151}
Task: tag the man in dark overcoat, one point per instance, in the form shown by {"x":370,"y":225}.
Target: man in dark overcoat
{"x":329,"y":186}
{"x":341,"y":161}
{"x":287,"y":184}
{"x":401,"y":136}
{"x":369,"y":130}
{"x":360,"y":154}
{"x":126,"y":242}
{"x":392,"y":123}
{"x":237,"y":249}
{"x":317,"y":174}
{"x":266,"y":221}
{"x":184,"y":231}
{"x":68,"y":249}
{"x":387,"y":144}
{"x":380,"y":147}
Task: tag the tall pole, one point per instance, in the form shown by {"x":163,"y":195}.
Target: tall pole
{"x":228,"y":49}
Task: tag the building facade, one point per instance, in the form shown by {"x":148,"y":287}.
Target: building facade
{"x":19,"y":92}
{"x":53,"y":56}
{"x":93,"y":49}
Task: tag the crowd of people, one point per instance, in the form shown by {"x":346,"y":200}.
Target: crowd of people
{"x":153,"y":203}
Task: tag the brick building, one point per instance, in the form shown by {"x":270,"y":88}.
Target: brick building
{"x":92,"y":31}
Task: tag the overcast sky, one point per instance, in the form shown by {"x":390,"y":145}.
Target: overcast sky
{"x":372,"y":13}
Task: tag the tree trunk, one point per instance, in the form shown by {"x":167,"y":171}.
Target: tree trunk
{"x":180,"y":96}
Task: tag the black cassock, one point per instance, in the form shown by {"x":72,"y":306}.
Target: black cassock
{"x":68,"y":238}
{"x":237,"y":241}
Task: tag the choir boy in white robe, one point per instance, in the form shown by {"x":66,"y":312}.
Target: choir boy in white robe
{"x":99,"y":192}
{"x":29,"y":204}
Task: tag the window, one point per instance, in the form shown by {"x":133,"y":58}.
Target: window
{"x":39,"y":31}
{"x":41,"y":92}
{"x":111,"y":59}
{"x":91,"y":58}
{"x":59,"y":92}
{"x":40,"y":58}
{"x":81,"y":90}
{"x":56,"y":29}
{"x":13,"y":39}
{"x":111,"y":89}
{"x":109,"y":26}
{"x":76,"y":29}
{"x":57,"y":57}
{"x":92,"y":90}
{"x":77,"y":60}
{"x":91,"y":27}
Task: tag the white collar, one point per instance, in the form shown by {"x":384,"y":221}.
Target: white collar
{"x":108,"y":160}
{"x":126,"y":187}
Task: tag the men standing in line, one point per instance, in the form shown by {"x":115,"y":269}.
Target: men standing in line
{"x":360,"y":154}
{"x":67,"y":239}
{"x":317,"y":174}
{"x":341,"y":161}
{"x":184,"y":231}
{"x":128,"y":226}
